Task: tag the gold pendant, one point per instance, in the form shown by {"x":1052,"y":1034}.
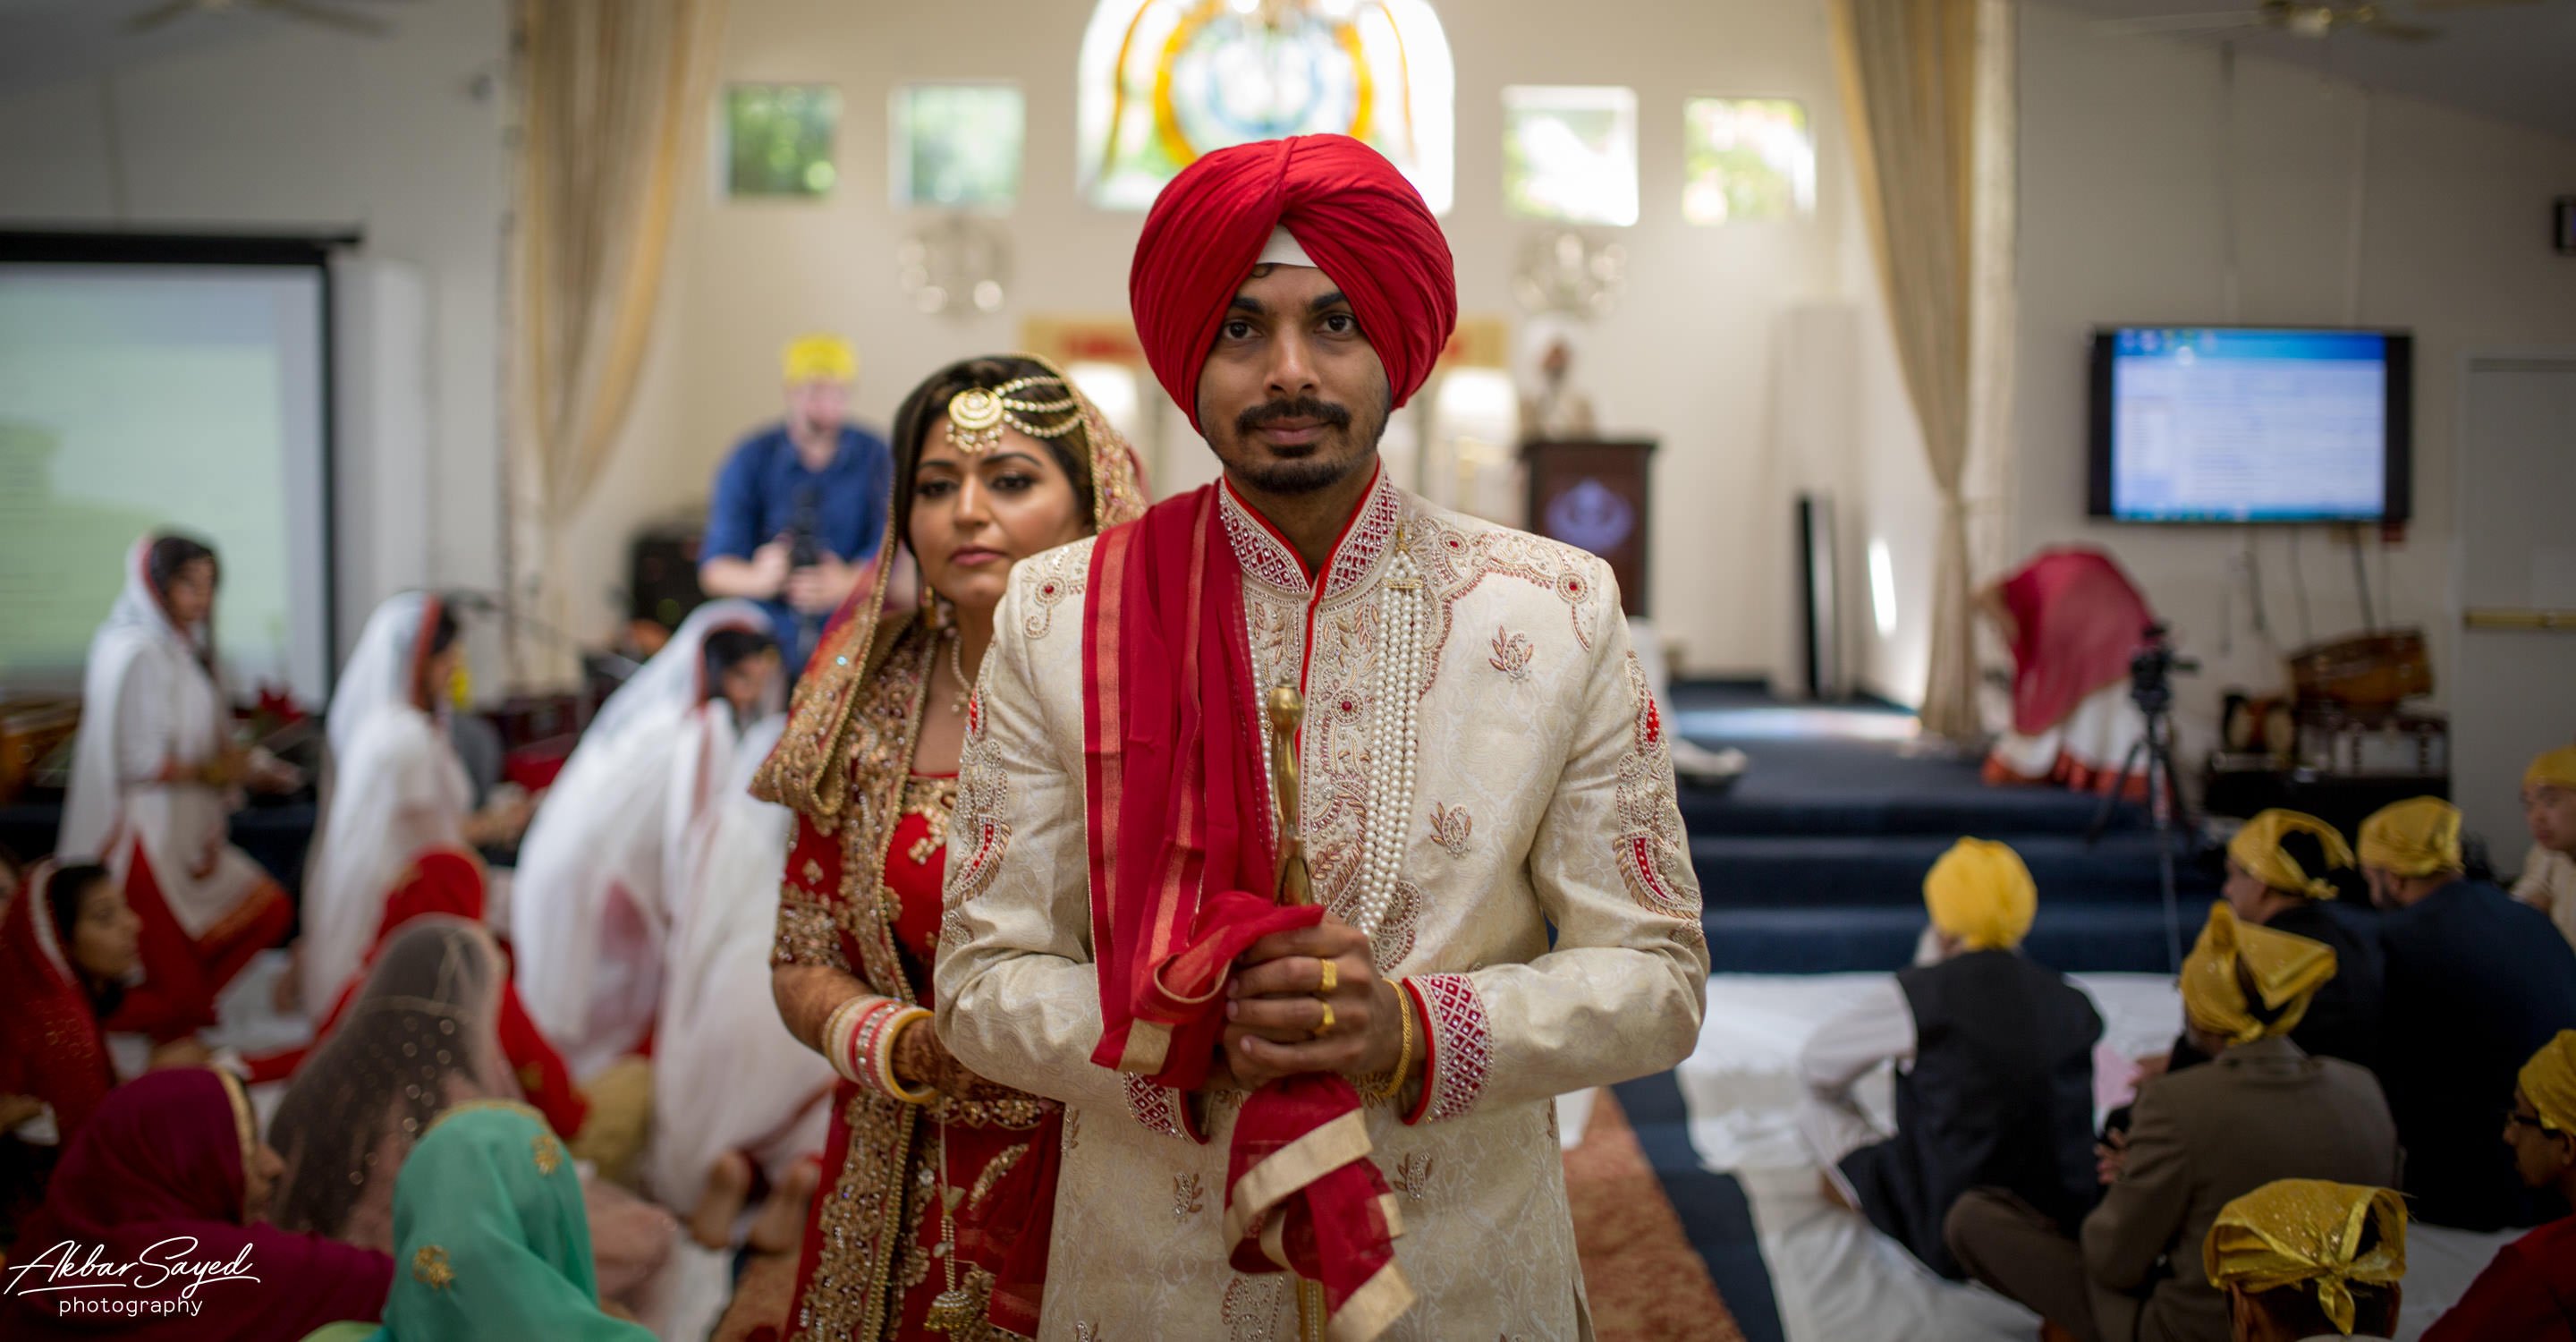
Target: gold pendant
{"x":951,"y":1311}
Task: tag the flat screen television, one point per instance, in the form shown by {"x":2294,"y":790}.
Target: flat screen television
{"x":2241,"y":424}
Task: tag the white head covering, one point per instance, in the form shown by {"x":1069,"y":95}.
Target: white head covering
{"x":1283,"y":249}
{"x":673,"y":681}
{"x":175,"y":709}
{"x":385,"y":668}
{"x":397,"y":790}
{"x":727,"y":1075}
{"x":589,"y":900}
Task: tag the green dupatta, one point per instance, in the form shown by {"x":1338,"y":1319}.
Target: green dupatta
{"x":490,"y":1239}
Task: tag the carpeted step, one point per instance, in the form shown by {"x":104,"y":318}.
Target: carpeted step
{"x":1811,"y":873}
{"x":2070,"y":938}
{"x":1867,"y":806}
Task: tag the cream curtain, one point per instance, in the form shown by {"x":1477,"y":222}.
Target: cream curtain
{"x":1911,"y":79}
{"x":614,"y":98}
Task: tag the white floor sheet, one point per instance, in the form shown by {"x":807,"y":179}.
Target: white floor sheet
{"x":1838,"y":1280}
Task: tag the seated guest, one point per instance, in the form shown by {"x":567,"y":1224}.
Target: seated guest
{"x":450,"y":883}
{"x":2306,"y":1261}
{"x":2476,"y":983}
{"x":589,"y":906}
{"x":2548,"y":880}
{"x":67,"y":947}
{"x":2260,"y":1110}
{"x":1994,"y":1068}
{"x":2279,"y":875}
{"x":394,"y":790}
{"x":738,"y":1103}
{"x":170,"y":1170}
{"x":156,"y":775}
{"x":492,"y":1238}
{"x":2529,"y":1290}
{"x":423,"y":1037}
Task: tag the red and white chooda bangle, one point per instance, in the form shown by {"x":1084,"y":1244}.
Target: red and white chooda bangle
{"x":859,"y":1039}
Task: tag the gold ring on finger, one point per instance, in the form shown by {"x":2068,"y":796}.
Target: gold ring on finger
{"x":1332,"y":976}
{"x":1327,"y":1027}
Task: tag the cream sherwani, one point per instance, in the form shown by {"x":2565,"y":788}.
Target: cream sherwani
{"x":1539,"y":796}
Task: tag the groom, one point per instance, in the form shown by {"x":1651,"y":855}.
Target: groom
{"x":1508,"y":910}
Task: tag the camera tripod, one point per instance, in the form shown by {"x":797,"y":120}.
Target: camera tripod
{"x":2151,"y":757}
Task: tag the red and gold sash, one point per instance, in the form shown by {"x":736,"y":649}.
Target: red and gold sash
{"x":1177,"y":815}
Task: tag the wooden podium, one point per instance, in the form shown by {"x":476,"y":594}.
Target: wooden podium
{"x":1592,"y":495}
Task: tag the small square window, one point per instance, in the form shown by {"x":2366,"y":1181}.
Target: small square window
{"x":1746,"y":160}
{"x":1570,"y":154}
{"x":778,"y":139}
{"x":957,"y":146}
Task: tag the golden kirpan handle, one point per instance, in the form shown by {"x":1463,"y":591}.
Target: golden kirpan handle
{"x":1294,"y":884}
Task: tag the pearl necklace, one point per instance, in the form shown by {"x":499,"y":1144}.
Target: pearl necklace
{"x":1403,"y":652}
{"x":957,"y":664}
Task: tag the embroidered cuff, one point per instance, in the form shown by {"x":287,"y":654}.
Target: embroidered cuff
{"x":1162,"y":1109}
{"x":1454,"y":1033}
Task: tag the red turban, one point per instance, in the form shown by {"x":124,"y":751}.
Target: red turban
{"x":1352,"y":212}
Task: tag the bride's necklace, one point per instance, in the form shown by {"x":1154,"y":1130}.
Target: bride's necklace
{"x":957,"y":664}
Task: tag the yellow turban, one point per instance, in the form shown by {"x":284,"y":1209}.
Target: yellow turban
{"x":2549,"y":1082}
{"x":2555,"y":769}
{"x":2287,"y":971}
{"x":820,"y":358}
{"x":2297,"y":1231}
{"x":2257,"y":848}
{"x":1980,"y":893}
{"x":2416,"y":837}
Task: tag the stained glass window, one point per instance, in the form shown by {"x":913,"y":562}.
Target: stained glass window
{"x":1745,"y":160}
{"x":957,"y":146}
{"x":1570,"y":154}
{"x":778,"y":139}
{"x":1164,"y":81}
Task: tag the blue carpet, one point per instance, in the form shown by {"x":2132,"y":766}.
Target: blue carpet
{"x":1712,"y":1207}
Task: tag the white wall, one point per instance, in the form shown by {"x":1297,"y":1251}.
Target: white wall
{"x":291,"y":129}
{"x":1686,"y":357}
{"x":2125,"y":155}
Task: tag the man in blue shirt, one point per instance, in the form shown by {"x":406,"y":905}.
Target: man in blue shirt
{"x":800,"y":506}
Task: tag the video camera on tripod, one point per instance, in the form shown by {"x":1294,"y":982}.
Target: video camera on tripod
{"x":2151,"y":672}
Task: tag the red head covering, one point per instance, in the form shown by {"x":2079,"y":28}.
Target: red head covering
{"x":1356,"y":217}
{"x":51,"y":1044}
{"x":162,"y":1161}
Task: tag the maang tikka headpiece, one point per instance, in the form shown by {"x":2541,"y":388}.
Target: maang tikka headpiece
{"x":976,"y":416}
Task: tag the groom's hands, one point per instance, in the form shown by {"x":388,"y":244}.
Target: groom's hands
{"x":1273,"y":1008}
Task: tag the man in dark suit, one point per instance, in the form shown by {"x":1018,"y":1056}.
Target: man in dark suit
{"x":2476,"y":984}
{"x":2260,"y":1110}
{"x":1994,"y":1068}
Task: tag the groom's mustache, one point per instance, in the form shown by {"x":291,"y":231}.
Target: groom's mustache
{"x":1304,"y":407}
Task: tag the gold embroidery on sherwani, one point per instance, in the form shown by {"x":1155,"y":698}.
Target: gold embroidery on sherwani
{"x":1512,"y":653}
{"x":1651,"y":844}
{"x":1451,"y":827}
{"x":1251,"y":1310}
{"x":1061,"y":575}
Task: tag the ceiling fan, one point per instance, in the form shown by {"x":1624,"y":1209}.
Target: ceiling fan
{"x":2315,"y":20}
{"x":314,"y":12}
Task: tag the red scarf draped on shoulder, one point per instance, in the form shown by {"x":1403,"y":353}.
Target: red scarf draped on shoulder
{"x":1178,"y":816}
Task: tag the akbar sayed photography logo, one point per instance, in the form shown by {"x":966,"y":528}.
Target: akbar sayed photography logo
{"x":162,"y":1281}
